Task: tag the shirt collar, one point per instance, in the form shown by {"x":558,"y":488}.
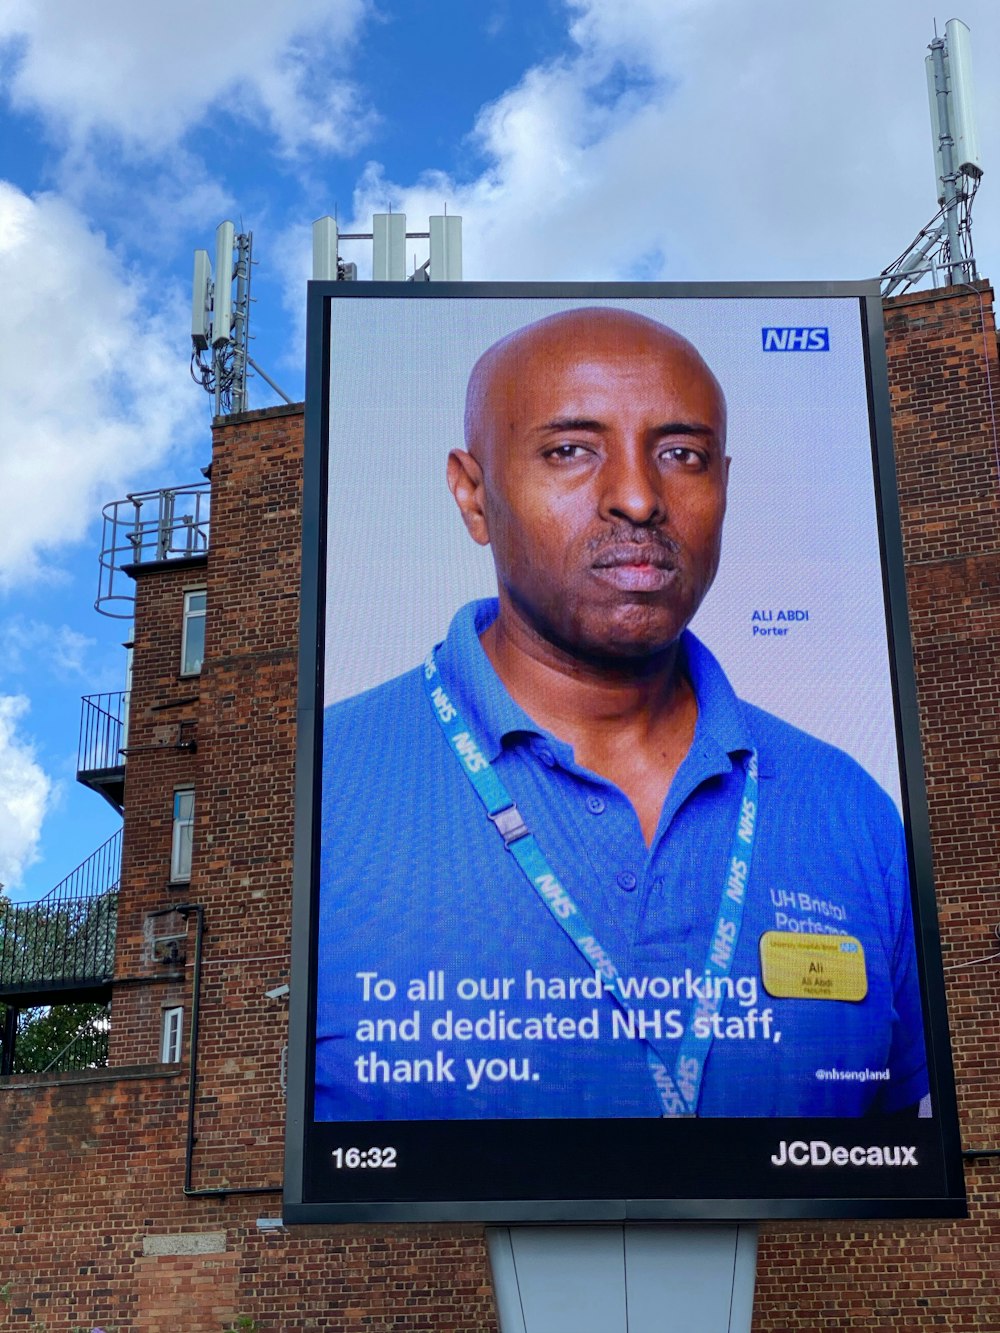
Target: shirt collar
{"x":474,"y":686}
{"x":493,"y":715}
{"x":722,"y":720}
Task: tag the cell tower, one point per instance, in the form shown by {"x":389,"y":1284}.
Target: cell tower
{"x":388,"y":237}
{"x":944,"y":247}
{"x":220,"y":321}
{"x":220,"y":312}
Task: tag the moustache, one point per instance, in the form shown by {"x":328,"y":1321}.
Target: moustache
{"x":624,"y":544}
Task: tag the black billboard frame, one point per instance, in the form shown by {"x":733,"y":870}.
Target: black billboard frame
{"x":301,"y":1206}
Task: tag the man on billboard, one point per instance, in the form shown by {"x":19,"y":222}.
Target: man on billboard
{"x":565,"y":871}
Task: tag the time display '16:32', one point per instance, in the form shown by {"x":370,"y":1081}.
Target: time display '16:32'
{"x":357,"y":1159}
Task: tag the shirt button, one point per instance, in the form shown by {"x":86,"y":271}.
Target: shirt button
{"x":657,"y":884}
{"x":626,"y":880}
{"x":546,"y":756}
{"x":595,"y":805}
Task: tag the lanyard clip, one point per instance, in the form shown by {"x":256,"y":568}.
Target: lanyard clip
{"x":509,"y":824}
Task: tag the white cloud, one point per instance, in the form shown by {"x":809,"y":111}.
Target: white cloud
{"x":148,"y":73}
{"x":31,"y":645}
{"x":709,"y":139}
{"x":25,"y":791}
{"x":152,"y":208}
{"x":91,"y":387}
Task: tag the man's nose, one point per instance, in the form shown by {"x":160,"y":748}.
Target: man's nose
{"x":632,"y":488}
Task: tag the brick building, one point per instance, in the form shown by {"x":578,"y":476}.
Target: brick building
{"x":142,"y":1194}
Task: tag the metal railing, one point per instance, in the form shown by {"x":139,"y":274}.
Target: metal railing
{"x":55,"y":1038}
{"x":146,"y":526}
{"x":103,"y":729}
{"x":66,"y":938}
{"x":87,"y":1050}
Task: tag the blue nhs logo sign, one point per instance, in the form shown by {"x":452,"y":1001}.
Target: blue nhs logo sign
{"x":795,"y":340}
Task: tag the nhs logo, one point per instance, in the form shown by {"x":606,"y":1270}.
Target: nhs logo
{"x":795,"y":340}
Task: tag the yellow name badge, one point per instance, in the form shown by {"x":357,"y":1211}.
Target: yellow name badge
{"x":812,"y":967}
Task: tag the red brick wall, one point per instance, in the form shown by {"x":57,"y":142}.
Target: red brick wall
{"x":163,"y":716}
{"x":948,"y":458}
{"x":243,"y":825}
{"x":94,"y":1171}
{"x":945,"y":385}
{"x":92,"y":1175}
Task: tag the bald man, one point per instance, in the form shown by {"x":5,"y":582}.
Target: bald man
{"x":590,"y":881}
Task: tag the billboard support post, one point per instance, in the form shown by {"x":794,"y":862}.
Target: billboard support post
{"x":646,"y":1279}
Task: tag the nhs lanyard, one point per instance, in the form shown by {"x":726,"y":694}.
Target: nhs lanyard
{"x":679,"y":1090}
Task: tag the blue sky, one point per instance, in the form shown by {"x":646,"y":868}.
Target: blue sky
{"x":661,"y":139}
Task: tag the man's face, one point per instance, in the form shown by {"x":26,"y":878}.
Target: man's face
{"x":601,"y":447}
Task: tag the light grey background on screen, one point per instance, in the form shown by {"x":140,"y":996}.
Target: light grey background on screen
{"x":800,"y":534}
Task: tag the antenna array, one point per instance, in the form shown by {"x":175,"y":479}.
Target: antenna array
{"x":220,"y":319}
{"x":944,"y":246}
{"x":388,"y":237}
{"x":220,"y":312}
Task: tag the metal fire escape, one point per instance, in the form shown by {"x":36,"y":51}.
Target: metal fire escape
{"x":60,"y":951}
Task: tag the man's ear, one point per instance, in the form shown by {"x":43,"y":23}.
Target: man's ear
{"x":465,"y":481}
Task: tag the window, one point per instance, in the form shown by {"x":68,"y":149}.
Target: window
{"x":193,"y":634}
{"x":182,"y":840}
{"x":127,"y":696}
{"x":170,"y":1041}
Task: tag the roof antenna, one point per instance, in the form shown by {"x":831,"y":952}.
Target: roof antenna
{"x":944,"y":245}
{"x":220,"y":322}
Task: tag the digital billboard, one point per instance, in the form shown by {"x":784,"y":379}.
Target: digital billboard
{"x":613,"y":890}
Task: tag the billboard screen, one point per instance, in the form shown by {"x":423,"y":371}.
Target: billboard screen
{"x":612,"y":880}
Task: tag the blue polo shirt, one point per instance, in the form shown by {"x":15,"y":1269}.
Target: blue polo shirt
{"x":446,"y":990}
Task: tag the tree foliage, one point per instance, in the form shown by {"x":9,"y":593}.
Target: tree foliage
{"x":61,"y":1036}
{"x":52,"y":946}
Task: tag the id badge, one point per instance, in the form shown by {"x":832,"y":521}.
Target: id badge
{"x":812,"y":967}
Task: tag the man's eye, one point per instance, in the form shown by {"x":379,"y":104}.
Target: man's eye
{"x":566,"y":451}
{"x":680,"y":453}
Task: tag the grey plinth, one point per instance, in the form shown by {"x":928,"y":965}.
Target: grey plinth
{"x":623,"y":1279}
